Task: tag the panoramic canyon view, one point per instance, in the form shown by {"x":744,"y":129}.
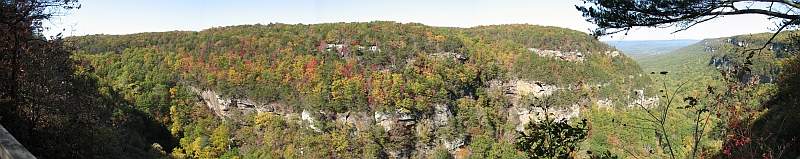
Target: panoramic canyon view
{"x":416,"y":79}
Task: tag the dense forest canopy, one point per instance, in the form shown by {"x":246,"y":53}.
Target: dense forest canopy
{"x":358,"y":69}
{"x":247,"y":58}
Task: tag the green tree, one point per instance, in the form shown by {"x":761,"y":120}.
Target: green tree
{"x":220,"y":139}
{"x":549,"y":138}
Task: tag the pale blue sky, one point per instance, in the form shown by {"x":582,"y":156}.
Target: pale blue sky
{"x":133,"y":16}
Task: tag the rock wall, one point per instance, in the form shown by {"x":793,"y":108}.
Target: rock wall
{"x":524,"y":115}
{"x":648,"y":102}
{"x":605,"y":104}
{"x":398,"y":121}
{"x":398,"y":124}
{"x":404,"y":127}
{"x":230,"y":107}
{"x":520,"y":114}
{"x":306,"y":116}
{"x":573,"y":56}
{"x":520,"y":88}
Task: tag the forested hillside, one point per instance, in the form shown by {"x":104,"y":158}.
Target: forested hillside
{"x":738,"y":51}
{"x":768,"y":73}
{"x":639,"y":49}
{"x":688,"y":64}
{"x":362,"y":90}
{"x":757,"y":83}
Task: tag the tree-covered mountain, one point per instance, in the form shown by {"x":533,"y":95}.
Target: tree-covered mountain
{"x":353,"y":90}
{"x":639,"y":49}
{"x":759,"y":84}
{"x":769,"y":75}
{"x":688,"y":64}
{"x":700,"y":63}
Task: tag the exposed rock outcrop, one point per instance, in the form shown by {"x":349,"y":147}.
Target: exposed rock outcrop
{"x":605,"y":104}
{"x":537,"y":114}
{"x":521,"y":114}
{"x":441,"y":115}
{"x":519,"y":88}
{"x":720,"y":62}
{"x":649,"y":102}
{"x":612,"y":53}
{"x":402,"y":127}
{"x":572,"y":56}
{"x":229,"y":107}
{"x":450,"y":55}
{"x":725,"y":63}
{"x":399,"y":122}
{"x":383,"y":119}
{"x":643,"y":101}
{"x":359,"y":120}
{"x":306,"y":116}
{"x":388,"y":120}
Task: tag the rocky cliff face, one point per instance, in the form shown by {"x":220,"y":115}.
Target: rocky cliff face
{"x":571,"y":56}
{"x":729,"y":56}
{"x":230,"y":107}
{"x":537,"y":114}
{"x":398,"y":123}
{"x":519,"y":88}
{"x":521,"y":114}
{"x":403,"y":126}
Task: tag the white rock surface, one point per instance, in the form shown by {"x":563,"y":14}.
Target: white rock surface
{"x":535,"y":88}
{"x":537,"y":114}
{"x":442,"y":115}
{"x":644,"y":102}
{"x":573,"y":56}
{"x":229,"y":107}
{"x":383,"y":120}
{"x":614,"y":53}
{"x":604,"y":104}
{"x":306,"y":116}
